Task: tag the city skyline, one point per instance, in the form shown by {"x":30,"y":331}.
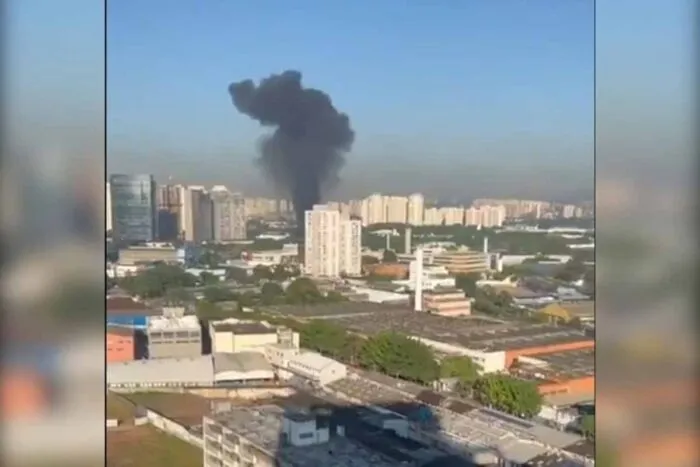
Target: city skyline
{"x":514,"y":114}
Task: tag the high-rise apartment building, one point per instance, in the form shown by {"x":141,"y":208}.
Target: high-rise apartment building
{"x":332,"y":243}
{"x":396,"y":209}
{"x":196,"y":222}
{"x":169,"y":212}
{"x":432,"y":216}
{"x":229,"y":222}
{"x":416,"y":206}
{"x":133,"y":201}
{"x":452,"y":215}
{"x":374,"y":210}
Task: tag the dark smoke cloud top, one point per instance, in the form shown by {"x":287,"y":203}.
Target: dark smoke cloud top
{"x":305,"y":152}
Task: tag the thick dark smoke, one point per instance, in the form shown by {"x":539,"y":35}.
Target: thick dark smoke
{"x":306,"y":150}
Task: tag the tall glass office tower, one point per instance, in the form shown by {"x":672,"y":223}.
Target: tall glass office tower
{"x":134,"y":210}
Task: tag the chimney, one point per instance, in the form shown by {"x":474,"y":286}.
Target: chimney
{"x":388,"y":241}
{"x":418,"y":295}
{"x":486,"y":245}
{"x":407,"y":241}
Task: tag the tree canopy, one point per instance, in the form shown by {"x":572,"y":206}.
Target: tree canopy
{"x":303,"y":291}
{"x":271,"y":293}
{"x":511,"y":395}
{"x":214,"y":294}
{"x":155,"y":281}
{"x":461,"y":367}
{"x":400,"y":356}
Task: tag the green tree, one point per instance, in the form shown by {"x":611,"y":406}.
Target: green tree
{"x":588,"y":426}
{"x":389,"y":256}
{"x":210,"y":258}
{"x":461,"y":367}
{"x":207,"y":278}
{"x":351,"y":349}
{"x":514,"y":396}
{"x":214,"y":294}
{"x":262,"y":272}
{"x":178,"y":297}
{"x":334,"y":297}
{"x":303,"y":291}
{"x":324,"y":337}
{"x":155,"y":281}
{"x":271,"y":293}
{"x":207,"y":311}
{"x":400,"y":356}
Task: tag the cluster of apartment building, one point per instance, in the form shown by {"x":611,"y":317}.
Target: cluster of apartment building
{"x":139,"y":210}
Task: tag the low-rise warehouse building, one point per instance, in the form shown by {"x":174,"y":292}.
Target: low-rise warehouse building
{"x":316,"y":368}
{"x":163,"y":372}
{"x":203,"y":371}
{"x":570,"y":372}
{"x":174,"y":335}
{"x":493,"y":344}
{"x":233,"y":335}
{"x":120,"y":344}
{"x":241,"y":367}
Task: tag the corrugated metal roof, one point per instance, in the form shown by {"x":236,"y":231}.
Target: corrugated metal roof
{"x":196,"y":370}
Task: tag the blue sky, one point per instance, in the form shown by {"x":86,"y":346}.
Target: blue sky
{"x":472,"y":84}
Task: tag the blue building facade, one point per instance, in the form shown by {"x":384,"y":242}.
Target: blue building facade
{"x":136,"y":321}
{"x":134,"y":208}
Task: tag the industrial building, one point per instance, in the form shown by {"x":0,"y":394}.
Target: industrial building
{"x":268,"y":435}
{"x":494,"y":344}
{"x":233,"y":335}
{"x":462,"y":427}
{"x":446,"y":302}
{"x":120,"y":344}
{"x":125,"y":311}
{"x":203,"y":371}
{"x":174,"y":335}
{"x":313,"y":368}
{"x":462,"y":261}
{"x":568,"y":373}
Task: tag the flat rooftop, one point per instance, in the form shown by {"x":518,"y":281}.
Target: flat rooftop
{"x":180,"y":323}
{"x":242,"y":327}
{"x":474,"y":332}
{"x":569,"y":364}
{"x":262,"y":425}
{"x":330,"y":309}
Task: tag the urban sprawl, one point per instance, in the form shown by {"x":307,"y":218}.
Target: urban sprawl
{"x":383,"y":331}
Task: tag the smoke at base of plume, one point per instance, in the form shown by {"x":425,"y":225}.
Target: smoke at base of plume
{"x":305,"y":152}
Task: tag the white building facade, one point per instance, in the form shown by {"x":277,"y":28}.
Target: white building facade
{"x":333,"y":243}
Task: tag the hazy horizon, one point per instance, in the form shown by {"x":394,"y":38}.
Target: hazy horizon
{"x":456,"y":102}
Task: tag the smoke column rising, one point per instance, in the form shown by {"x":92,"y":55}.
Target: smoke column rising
{"x":305,"y":152}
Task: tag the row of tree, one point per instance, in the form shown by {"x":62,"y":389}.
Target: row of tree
{"x":399,"y":356}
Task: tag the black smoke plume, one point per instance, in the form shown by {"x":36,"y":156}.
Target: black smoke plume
{"x":305,"y":152}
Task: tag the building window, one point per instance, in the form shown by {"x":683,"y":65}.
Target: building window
{"x":306,"y":435}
